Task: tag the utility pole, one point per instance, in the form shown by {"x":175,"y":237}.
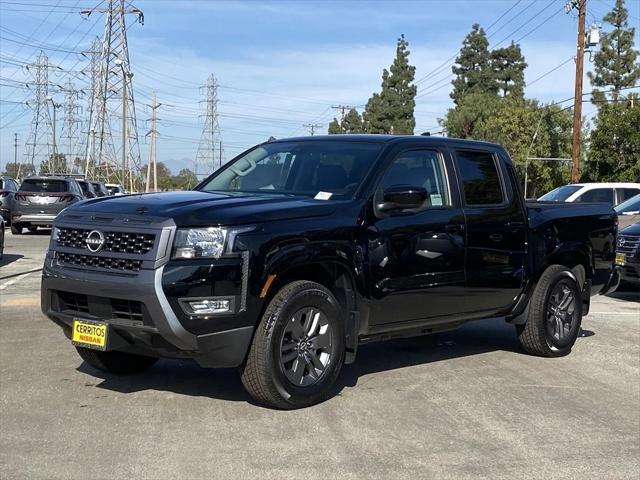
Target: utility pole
{"x":581,"y":5}
{"x":15,"y":154}
{"x":312,"y":127}
{"x":152,"y":148}
{"x":54,"y":167}
{"x":343,"y":109}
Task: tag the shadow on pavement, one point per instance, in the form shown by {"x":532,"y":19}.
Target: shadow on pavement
{"x":629,"y":292}
{"x":187,"y":378}
{"x":8,"y":258}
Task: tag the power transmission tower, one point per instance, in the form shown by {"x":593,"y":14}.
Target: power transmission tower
{"x":38,"y":148}
{"x":206,"y":155}
{"x":116,"y":94}
{"x":581,"y":5}
{"x":152,"y":148}
{"x":312,"y":127}
{"x":70,"y":135}
{"x":95,"y":92}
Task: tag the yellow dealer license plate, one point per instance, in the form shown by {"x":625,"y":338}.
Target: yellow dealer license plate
{"x":619,"y":258}
{"x":89,"y":334}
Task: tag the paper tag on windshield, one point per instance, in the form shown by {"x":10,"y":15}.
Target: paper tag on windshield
{"x":323,"y":196}
{"x":436,"y":199}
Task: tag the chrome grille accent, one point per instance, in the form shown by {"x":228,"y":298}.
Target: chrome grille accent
{"x":628,"y":244}
{"x":108,"y":263}
{"x":115,"y":242}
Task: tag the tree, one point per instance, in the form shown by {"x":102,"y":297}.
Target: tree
{"x":56,"y":164}
{"x":615,"y":65}
{"x":508,"y":67}
{"x":185,"y":179}
{"x":22,"y":171}
{"x":473,"y":67}
{"x":614,"y":143}
{"x":351,"y":123}
{"x":392,"y":110}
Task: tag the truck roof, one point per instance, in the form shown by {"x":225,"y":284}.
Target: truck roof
{"x":383,"y":138}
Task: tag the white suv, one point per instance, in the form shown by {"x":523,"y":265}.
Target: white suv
{"x":611,"y":193}
{"x":114,"y":189}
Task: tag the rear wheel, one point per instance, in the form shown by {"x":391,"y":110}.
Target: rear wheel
{"x":116,"y":362}
{"x":16,"y":229}
{"x":298,"y":348}
{"x":555,"y":314}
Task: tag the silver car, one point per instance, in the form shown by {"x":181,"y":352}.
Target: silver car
{"x":39,"y":200}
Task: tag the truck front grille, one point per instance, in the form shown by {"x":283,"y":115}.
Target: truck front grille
{"x":107,"y":263}
{"x":74,"y":302}
{"x":628,"y":244}
{"x":126,"y":309}
{"x":115,"y":242}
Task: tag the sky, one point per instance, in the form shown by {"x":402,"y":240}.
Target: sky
{"x":279,"y":64}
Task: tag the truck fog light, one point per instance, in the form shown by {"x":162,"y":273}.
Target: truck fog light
{"x":207,"y":306}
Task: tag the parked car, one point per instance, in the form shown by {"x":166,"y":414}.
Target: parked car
{"x":628,"y":212}
{"x":40,"y":199}
{"x":99,"y":188}
{"x":87,"y":189}
{"x":2,"y":227}
{"x":290,"y":256}
{"x":611,"y":193}
{"x":8,"y":187}
{"x":114,"y":189}
{"x":628,"y":254}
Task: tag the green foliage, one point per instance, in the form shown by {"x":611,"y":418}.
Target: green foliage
{"x":56,"y":164}
{"x":351,"y":123}
{"x":391,"y":111}
{"x":23,"y":170}
{"x":508,"y":67}
{"x":524,"y":128}
{"x":614,"y":147}
{"x":185,"y":178}
{"x":615,"y":64}
{"x":473,"y":69}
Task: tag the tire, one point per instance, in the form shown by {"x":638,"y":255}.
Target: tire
{"x":115,"y":362}
{"x":269,"y":374}
{"x":16,"y":229}
{"x":2,"y":242}
{"x":546,"y":333}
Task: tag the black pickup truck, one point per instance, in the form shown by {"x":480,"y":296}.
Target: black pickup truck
{"x":292,"y":255}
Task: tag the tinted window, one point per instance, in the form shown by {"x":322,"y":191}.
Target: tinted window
{"x":560,"y":194}
{"x":302,"y":168}
{"x":627,"y":193}
{"x":630,"y":205}
{"x":597,"y":195}
{"x":480,"y":178}
{"x":419,"y":168}
{"x":44,"y":185}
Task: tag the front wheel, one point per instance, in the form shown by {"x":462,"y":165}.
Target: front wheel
{"x":116,"y":362}
{"x":16,"y":229}
{"x":555,"y":314}
{"x":298,"y":348}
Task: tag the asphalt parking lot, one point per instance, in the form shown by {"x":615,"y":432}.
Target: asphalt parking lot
{"x":462,"y":404}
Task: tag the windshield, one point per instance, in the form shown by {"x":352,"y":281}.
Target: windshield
{"x":560,"y":194}
{"x":628,"y":206}
{"x":49,"y":186}
{"x":319,"y":169}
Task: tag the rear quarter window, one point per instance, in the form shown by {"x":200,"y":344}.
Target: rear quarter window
{"x":480,"y":178}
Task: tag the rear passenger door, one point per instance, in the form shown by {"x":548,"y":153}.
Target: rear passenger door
{"x":496,"y":232}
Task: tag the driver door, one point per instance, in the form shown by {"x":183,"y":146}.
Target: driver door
{"x":417,"y":257}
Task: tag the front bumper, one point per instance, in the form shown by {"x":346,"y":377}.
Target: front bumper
{"x":165,"y":337}
{"x":139,"y":294}
{"x":630,"y":271}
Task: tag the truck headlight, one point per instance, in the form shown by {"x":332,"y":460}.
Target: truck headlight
{"x":209,"y":242}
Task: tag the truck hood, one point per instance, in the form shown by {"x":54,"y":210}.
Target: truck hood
{"x":194,"y":208}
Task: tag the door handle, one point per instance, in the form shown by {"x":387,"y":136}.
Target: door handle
{"x":454,"y":227}
{"x":514,"y":225}
{"x":496,"y":237}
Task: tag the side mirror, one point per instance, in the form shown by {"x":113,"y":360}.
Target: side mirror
{"x":402,"y":197}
